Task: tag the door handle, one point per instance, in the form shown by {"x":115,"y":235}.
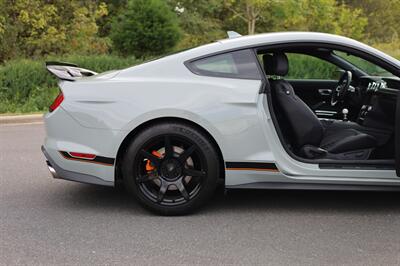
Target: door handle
{"x":325,"y":92}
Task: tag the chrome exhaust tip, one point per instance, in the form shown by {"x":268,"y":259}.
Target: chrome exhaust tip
{"x":52,"y":170}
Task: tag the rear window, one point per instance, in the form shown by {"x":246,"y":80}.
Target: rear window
{"x":238,"y":64}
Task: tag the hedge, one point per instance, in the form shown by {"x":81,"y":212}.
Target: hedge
{"x":26,"y":86}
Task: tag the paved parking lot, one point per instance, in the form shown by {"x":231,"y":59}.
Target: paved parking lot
{"x":47,"y":221}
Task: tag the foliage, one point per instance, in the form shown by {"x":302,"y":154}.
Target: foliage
{"x":248,"y":11}
{"x":52,"y":29}
{"x":115,"y":7}
{"x":34,"y":28}
{"x":308,"y":67}
{"x":26,"y":86}
{"x":392,"y":48}
{"x":317,"y":15}
{"x":383,"y":19}
{"x":21,"y":82}
{"x":145,"y":27}
{"x":196,"y":18}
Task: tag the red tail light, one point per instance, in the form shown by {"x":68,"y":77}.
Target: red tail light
{"x":57,"y":101}
{"x":80,"y":155}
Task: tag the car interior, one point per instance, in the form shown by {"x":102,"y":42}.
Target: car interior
{"x":331,"y":105}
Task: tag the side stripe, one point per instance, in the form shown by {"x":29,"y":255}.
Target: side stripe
{"x":270,"y":167}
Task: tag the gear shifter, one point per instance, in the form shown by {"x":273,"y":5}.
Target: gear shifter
{"x":345,"y":112}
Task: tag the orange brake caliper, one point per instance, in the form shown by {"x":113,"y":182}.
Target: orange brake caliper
{"x":149,"y":166}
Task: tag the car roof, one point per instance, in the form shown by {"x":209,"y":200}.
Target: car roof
{"x":297,"y":36}
{"x":259,"y":40}
{"x":285,"y":37}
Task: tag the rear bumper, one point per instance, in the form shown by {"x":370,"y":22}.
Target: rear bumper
{"x":59,"y":173}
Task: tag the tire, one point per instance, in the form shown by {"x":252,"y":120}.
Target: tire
{"x":171,"y":168}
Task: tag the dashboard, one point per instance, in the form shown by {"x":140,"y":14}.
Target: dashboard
{"x":380,"y":85}
{"x":377,"y":105}
{"x":374,"y":86}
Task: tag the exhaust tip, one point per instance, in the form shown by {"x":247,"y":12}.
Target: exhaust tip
{"x":52,"y":170}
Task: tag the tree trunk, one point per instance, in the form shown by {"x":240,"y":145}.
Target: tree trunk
{"x":251,"y":18}
{"x":252,"y":26}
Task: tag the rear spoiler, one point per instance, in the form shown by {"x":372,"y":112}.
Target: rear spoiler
{"x":68,"y":71}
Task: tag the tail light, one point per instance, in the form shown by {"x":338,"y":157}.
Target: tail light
{"x":57,"y":101}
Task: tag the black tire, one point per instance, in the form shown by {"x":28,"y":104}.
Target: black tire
{"x":184,"y":150}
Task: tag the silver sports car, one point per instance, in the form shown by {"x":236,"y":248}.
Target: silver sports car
{"x":245,"y":112}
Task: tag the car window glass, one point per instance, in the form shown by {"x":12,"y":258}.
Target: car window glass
{"x":366,"y":66}
{"x":221,"y":63}
{"x":238,"y":64}
{"x":303,"y":66}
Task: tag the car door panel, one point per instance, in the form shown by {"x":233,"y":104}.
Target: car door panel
{"x":317,"y":95}
{"x":397,"y":135}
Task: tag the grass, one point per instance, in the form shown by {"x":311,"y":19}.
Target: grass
{"x":19,"y":113}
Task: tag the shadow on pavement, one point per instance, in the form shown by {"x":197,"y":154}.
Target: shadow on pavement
{"x":105,"y":198}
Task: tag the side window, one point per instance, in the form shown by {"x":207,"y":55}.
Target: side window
{"x":364,"y":65}
{"x":238,"y":64}
{"x":223,"y":63}
{"x":303,"y":66}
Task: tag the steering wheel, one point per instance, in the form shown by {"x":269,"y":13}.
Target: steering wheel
{"x":341,"y":89}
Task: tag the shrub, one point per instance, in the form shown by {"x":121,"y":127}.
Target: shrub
{"x":26,"y":86}
{"x":145,"y":28}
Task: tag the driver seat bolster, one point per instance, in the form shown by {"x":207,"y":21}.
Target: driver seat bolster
{"x":306,"y":126}
{"x":347,"y":140}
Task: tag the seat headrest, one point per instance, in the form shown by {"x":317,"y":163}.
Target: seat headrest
{"x":276,"y":64}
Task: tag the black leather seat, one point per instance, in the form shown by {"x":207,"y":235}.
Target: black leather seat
{"x":310,"y":137}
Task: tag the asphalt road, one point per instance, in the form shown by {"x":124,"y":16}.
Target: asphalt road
{"x":47,"y":221}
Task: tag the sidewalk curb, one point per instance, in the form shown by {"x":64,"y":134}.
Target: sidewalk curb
{"x":21,"y":119}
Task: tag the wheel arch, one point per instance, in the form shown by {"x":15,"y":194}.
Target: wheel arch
{"x":124,"y":144}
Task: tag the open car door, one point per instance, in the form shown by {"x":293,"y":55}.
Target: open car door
{"x":397,"y":134}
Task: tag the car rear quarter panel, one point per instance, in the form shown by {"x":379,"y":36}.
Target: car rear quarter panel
{"x":223,"y":107}
{"x":226,"y":108}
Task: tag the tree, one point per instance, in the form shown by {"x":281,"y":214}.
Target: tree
{"x":383,"y":19}
{"x":317,"y":15}
{"x":145,"y":28}
{"x":250,"y":11}
{"x":115,"y":7}
{"x":197,"y":18}
{"x":84,"y":29}
{"x":36,"y":28}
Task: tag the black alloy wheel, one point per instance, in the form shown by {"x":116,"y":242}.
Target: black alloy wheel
{"x":171,"y":168}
